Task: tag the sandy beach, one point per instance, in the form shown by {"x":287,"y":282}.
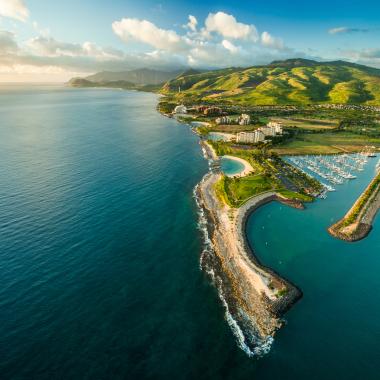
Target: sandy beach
{"x":225,"y":136}
{"x":248,"y":169}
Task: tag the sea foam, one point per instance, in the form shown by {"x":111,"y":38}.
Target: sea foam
{"x":246,"y":339}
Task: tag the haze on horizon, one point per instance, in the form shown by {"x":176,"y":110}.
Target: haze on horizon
{"x":52,"y":42}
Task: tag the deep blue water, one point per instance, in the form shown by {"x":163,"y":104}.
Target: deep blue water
{"x":99,"y":254}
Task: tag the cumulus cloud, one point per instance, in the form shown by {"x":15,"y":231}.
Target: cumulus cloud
{"x":230,"y":46}
{"x":45,"y":57}
{"x":221,"y":41}
{"x":145,"y":31}
{"x":210,"y":46}
{"x":192,"y":24}
{"x":50,"y":47}
{"x":14,"y":9}
{"x":346,"y":30}
{"x":227,"y":26}
{"x":7,"y":42}
{"x":269,"y":41}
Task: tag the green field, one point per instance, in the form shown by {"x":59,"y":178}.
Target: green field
{"x":308,"y":124}
{"x":239,"y":190}
{"x":326,"y":143}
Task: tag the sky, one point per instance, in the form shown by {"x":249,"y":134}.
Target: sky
{"x":53,"y":41}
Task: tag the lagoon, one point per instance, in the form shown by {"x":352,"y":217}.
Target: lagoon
{"x":231,"y":167}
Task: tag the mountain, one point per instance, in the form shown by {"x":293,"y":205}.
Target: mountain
{"x":82,"y":83}
{"x":137,"y":77}
{"x":293,"y":81}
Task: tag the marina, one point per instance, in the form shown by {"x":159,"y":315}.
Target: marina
{"x":333,"y":170}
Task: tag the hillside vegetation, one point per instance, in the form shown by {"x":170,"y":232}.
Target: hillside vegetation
{"x":119,"y":84}
{"x":295,"y":81}
{"x":137,"y":77}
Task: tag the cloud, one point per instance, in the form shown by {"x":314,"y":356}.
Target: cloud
{"x":145,"y":31}
{"x":7,"y":43}
{"x":45,"y":56}
{"x":230,"y":46}
{"x":370,"y":53}
{"x":221,"y":41}
{"x":14,"y":9}
{"x":50,"y":47}
{"x":346,"y":30}
{"x":207,"y":47}
{"x":269,"y":41}
{"x":369,"y":57}
{"x":363,"y":54}
{"x":227,"y":26}
{"x":192,"y":24}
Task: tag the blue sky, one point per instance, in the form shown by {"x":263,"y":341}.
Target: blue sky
{"x":56,"y":40}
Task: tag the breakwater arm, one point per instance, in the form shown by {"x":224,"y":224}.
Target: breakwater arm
{"x":256,"y":291}
{"x":357,"y":223}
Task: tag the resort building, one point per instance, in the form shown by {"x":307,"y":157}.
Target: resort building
{"x":268,"y":131}
{"x":244,"y":119}
{"x":277,"y":126}
{"x":213,"y":111}
{"x":223,"y":120}
{"x":250,"y":137}
{"x":181,"y":109}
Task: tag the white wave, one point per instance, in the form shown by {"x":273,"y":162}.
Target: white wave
{"x":246,"y":340}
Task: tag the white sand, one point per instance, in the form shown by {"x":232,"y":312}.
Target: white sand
{"x":247,"y":166}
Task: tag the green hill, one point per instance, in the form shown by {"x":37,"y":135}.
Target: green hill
{"x":293,"y":81}
{"x":83,"y":83}
{"x":138,"y":77}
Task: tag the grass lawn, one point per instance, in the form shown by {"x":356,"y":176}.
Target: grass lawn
{"x":310,"y":124}
{"x":292,"y":195}
{"x":237,"y":191}
{"x":326,"y":143}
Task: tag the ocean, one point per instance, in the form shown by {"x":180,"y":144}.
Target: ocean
{"x":100,"y":254}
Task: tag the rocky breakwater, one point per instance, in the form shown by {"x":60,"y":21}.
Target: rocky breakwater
{"x":357,"y":223}
{"x":257,"y":296}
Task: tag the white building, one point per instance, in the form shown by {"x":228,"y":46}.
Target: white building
{"x":277,"y":126}
{"x":268,"y":131}
{"x":250,"y":137}
{"x":244,"y":119}
{"x":259,"y":136}
{"x":181,"y":109}
{"x":223,"y":120}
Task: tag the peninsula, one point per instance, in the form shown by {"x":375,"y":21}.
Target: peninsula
{"x":257,"y":295}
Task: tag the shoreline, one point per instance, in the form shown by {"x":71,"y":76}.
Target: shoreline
{"x":248,"y":169}
{"x":257,"y":294}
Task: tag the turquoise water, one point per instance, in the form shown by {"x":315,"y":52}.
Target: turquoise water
{"x":99,"y":254}
{"x":334,"y":331}
{"x":231,"y":167}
